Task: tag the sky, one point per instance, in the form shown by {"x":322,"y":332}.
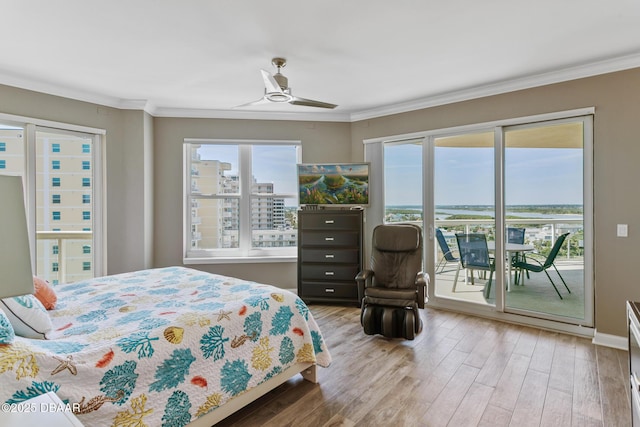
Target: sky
{"x":463,"y":176}
{"x":271,"y":163}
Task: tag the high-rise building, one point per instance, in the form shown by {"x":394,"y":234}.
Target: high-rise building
{"x":64,"y":205}
{"x":215,"y":222}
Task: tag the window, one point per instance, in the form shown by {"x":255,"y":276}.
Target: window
{"x":86,"y":215}
{"x":86,"y":266}
{"x":86,"y":182}
{"x":86,"y":165}
{"x":86,"y":198}
{"x":241,"y":197}
{"x":86,"y":249}
{"x":55,"y":249}
{"x":43,"y":152}
{"x":54,"y":267}
{"x":3,"y":164}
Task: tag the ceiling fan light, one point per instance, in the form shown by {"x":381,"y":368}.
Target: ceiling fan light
{"x":278,"y":97}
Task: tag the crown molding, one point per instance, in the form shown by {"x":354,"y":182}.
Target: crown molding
{"x":566,"y":74}
{"x":11,"y":79}
{"x":136,"y":104}
{"x":251,"y":115}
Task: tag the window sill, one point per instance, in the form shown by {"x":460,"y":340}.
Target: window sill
{"x":240,"y":260}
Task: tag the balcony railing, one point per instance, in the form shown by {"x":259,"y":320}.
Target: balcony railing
{"x":61,"y":238}
{"x":553,"y":223}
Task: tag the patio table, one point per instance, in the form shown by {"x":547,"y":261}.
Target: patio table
{"x":512,"y":249}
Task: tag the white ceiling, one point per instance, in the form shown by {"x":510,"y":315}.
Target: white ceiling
{"x":200,"y":58}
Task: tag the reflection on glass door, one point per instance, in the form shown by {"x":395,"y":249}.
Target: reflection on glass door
{"x":544,"y":220}
{"x":464,"y":217}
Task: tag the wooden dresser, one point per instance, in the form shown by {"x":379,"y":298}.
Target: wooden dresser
{"x":329,"y":254}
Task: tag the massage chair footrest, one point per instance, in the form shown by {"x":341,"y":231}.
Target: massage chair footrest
{"x":391,"y":322}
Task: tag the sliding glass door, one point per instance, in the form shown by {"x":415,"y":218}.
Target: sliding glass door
{"x":463,"y":194}
{"x":507,"y":214}
{"x":520,"y":193}
{"x":545,"y":218}
{"x":65,"y":201}
{"x":62,"y":176}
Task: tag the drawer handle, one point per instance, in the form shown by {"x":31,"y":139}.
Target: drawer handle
{"x":329,"y":239}
{"x":329,"y":221}
{"x":329,"y":256}
{"x":329,"y":290}
{"x":329,"y":273}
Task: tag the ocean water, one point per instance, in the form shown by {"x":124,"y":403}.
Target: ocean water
{"x":445,"y":211}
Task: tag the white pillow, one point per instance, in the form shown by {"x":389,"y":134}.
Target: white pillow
{"x":6,"y":330}
{"x":27,"y":316}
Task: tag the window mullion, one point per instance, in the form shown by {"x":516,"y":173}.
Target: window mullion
{"x":30,"y":186}
{"x":245,"y":198}
{"x":189,"y":198}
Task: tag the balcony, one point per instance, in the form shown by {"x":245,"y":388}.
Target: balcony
{"x":536,"y":293}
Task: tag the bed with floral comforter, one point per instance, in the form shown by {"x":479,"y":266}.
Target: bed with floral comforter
{"x":160,"y":347}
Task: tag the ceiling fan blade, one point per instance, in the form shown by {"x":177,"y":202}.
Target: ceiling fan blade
{"x":311,"y":103}
{"x":270,"y":83}
{"x":260,"y":101}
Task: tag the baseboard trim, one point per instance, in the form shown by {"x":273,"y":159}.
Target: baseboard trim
{"x":608,"y":340}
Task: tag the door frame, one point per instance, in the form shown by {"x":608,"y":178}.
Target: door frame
{"x":587,"y":206}
{"x":374,"y":153}
{"x":98,"y":159}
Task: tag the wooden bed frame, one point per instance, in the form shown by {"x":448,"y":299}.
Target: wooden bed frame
{"x":307,"y":370}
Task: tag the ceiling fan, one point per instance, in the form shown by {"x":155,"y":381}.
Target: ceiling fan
{"x":276,"y":89}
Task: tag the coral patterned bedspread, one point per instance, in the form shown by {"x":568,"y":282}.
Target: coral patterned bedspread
{"x":160,"y":347}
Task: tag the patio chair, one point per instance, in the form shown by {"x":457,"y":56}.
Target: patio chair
{"x":447,"y":254}
{"x":474,"y":255}
{"x":544,"y":266}
{"x":516,"y":235}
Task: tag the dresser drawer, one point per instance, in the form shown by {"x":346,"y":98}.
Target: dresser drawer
{"x":331,"y":255}
{"x":330,"y":221}
{"x":332,"y":272}
{"x":327,"y":238}
{"x":333,"y":290}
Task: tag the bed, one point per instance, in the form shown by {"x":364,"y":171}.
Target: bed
{"x":169,"y":346}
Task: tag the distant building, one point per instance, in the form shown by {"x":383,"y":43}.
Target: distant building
{"x":63,"y":201}
{"x":215,"y":222}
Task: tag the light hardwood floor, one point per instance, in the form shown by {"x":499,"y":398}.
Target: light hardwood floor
{"x":460,"y":371}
